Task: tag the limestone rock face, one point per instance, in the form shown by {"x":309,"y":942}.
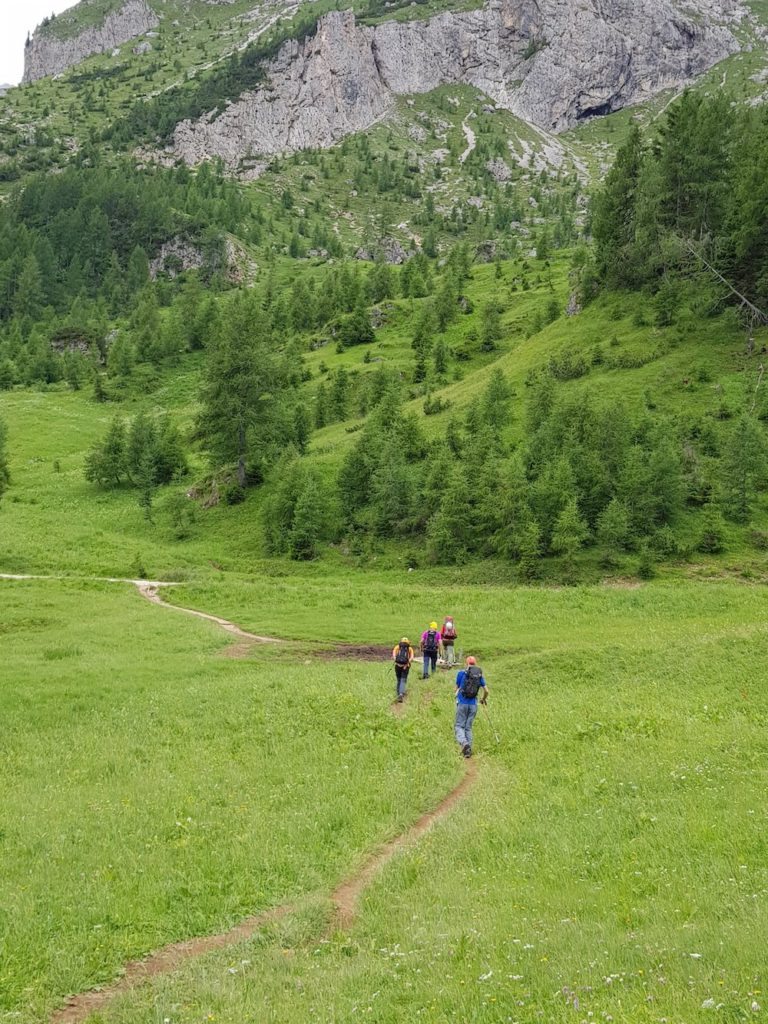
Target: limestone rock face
{"x":318,"y":91}
{"x":551,"y":62}
{"x":47,"y":54}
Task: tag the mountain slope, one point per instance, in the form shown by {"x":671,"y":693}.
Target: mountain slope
{"x":547,"y":62}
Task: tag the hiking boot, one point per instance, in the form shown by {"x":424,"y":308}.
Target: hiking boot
{"x":466,"y":750}
{"x":400,"y":698}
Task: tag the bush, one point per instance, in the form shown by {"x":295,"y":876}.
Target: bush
{"x":713,"y":534}
{"x":232,"y":494}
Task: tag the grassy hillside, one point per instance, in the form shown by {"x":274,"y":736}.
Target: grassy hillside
{"x":695,"y":372}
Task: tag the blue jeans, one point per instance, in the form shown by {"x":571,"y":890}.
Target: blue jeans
{"x":402,"y":679}
{"x":465,"y":716}
{"x":429,"y":659}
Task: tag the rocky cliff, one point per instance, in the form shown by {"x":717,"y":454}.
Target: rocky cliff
{"x":551,"y":62}
{"x":49,"y":54}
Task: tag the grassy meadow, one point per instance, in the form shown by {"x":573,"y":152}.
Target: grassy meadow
{"x":610,"y":861}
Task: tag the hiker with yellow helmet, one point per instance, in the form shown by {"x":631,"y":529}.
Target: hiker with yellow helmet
{"x":431,"y":641}
{"x":402,"y":656}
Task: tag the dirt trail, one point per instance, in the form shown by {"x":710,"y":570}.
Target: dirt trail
{"x":152,"y":593}
{"x":347,"y":896}
{"x":79,"y":1008}
{"x":346,"y":899}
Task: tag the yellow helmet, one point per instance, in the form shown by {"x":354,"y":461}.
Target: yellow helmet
{"x":404,"y":640}
{"x":433,"y":625}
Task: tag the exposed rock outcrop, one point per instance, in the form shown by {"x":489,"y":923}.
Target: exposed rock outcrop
{"x":49,"y":54}
{"x":551,"y":62}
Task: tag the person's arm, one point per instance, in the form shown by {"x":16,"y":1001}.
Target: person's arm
{"x":484,"y":687}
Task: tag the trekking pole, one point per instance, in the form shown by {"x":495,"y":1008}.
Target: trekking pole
{"x":490,"y":722}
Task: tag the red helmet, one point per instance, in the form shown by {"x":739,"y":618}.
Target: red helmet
{"x":471,"y":660}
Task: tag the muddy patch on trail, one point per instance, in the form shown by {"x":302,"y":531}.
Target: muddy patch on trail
{"x":354,"y":652}
{"x":622,"y":583}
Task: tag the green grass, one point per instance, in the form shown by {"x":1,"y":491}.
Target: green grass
{"x":80,"y":17}
{"x":155,"y":790}
{"x":617,"y":829}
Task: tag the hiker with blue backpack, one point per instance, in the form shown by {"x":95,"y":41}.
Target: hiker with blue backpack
{"x":469,"y":684}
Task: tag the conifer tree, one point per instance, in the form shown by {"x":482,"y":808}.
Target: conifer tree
{"x":569,"y":534}
{"x":529,"y":550}
{"x":446,"y":303}
{"x":321,"y":406}
{"x":391,"y":490}
{"x":29,"y":292}
{"x":244,"y":391}
{"x":712,"y":535}
{"x":491,"y":331}
{"x":302,"y":427}
{"x":613,"y":530}
{"x":514,"y":510}
{"x":307,"y":527}
{"x":339,"y":398}
{"x":614,"y":216}
{"x":744,"y":468}
{"x":105,"y":464}
{"x":448,"y":529}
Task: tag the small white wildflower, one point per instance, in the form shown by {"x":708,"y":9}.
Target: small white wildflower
{"x":485,"y":977}
{"x":755,"y":1007}
{"x":708,"y":1004}
{"x":695,"y":956}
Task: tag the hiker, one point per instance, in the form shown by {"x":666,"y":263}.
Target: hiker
{"x":449,"y":635}
{"x":430,"y":648}
{"x":402,"y":655}
{"x":469,"y":683}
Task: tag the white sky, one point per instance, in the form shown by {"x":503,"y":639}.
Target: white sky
{"x":17,"y":17}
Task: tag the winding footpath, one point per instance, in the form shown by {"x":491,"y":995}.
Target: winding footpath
{"x":345,"y":897}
